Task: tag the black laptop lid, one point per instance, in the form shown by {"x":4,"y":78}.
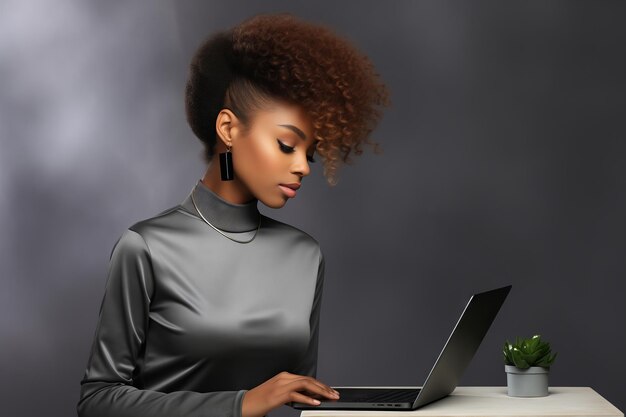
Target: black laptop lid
{"x":462,"y":344}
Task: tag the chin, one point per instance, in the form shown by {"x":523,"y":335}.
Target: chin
{"x":274,"y":203}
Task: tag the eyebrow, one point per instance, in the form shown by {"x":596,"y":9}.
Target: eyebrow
{"x":295,"y":130}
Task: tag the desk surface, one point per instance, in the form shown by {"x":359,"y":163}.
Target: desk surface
{"x":494,"y":401}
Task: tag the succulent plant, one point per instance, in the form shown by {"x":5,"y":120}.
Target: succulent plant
{"x":528,"y":352}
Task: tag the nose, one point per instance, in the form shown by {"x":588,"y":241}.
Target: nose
{"x":301,"y":166}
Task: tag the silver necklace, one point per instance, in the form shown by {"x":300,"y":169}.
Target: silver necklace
{"x":219,"y":231}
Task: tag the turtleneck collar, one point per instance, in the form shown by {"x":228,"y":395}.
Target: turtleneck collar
{"x":224,"y":215}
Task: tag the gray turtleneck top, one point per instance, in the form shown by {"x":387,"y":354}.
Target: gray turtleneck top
{"x":190,"y":320}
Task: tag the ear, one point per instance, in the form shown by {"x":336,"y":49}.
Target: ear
{"x":227,"y":126}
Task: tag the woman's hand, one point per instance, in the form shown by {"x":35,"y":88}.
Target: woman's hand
{"x":281,"y":389}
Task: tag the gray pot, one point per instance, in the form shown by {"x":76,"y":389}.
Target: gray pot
{"x":531,"y":382}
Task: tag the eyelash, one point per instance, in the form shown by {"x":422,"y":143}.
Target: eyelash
{"x":289,"y":149}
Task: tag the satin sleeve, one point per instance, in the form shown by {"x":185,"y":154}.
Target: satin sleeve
{"x":308,"y":366}
{"x":107,"y":386}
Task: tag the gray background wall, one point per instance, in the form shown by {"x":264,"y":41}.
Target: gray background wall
{"x":502,"y":164}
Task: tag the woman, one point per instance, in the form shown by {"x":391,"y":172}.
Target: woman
{"x":211,"y":308}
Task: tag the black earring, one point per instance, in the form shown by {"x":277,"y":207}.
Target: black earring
{"x":226,"y":165}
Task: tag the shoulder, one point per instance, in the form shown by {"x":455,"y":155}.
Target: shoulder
{"x":290,"y":231}
{"x":159,"y":220}
{"x":128,"y":244}
{"x":134,"y":238}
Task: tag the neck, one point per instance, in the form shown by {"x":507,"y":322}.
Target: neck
{"x":232,"y":191}
{"x":226,"y":216}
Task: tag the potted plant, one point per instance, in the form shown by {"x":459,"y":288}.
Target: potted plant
{"x":527,"y":363}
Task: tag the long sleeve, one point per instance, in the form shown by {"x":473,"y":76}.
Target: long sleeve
{"x":309,"y":364}
{"x":107,"y":386}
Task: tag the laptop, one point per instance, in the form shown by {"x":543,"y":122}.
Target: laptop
{"x":457,"y":352}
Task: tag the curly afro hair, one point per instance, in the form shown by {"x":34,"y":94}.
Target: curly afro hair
{"x":280,"y":56}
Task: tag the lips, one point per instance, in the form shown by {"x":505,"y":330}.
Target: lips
{"x":293,"y":185}
{"x":289,"y":189}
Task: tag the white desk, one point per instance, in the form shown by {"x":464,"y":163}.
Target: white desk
{"x":494,"y":402}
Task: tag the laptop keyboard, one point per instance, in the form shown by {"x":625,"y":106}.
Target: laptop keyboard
{"x":394,"y":395}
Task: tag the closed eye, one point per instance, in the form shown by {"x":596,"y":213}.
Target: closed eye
{"x":290,"y":149}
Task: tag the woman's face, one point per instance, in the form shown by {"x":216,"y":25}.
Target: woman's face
{"x":274,"y":151}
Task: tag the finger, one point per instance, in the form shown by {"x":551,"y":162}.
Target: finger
{"x":312,"y":382}
{"x":301,"y":398}
{"x":311,"y":385}
{"x":287,"y":376}
{"x":320,"y":383}
{"x":326,"y":387}
{"x":293,"y":377}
